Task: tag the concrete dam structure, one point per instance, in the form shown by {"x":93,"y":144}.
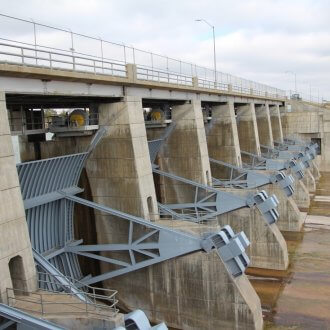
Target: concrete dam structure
{"x":147,"y":200}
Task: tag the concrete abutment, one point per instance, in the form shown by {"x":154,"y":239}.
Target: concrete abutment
{"x":16,"y":260}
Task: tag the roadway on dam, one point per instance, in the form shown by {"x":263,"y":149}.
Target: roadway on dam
{"x":299,"y":298}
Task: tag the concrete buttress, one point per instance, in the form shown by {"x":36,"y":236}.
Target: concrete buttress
{"x":264,"y":125}
{"x":247,"y":128}
{"x":185,"y":153}
{"x":222,"y":137}
{"x":275,"y":118}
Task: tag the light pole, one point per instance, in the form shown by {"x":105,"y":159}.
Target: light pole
{"x":214,"y":56}
{"x":295,"y":80}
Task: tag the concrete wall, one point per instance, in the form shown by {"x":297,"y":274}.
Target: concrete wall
{"x":15,"y":241}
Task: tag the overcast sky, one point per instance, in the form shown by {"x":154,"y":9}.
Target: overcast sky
{"x":258,"y":40}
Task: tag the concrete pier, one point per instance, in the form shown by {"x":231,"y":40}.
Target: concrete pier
{"x":247,"y":128}
{"x":276,"y":124}
{"x":184,"y":154}
{"x":16,"y":260}
{"x":268,"y":248}
{"x":222,"y":138}
{"x":291,"y":219}
{"x":264,"y":125}
{"x":224,"y":145}
{"x":301,"y":194}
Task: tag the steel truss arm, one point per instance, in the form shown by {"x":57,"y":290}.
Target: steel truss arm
{"x":156,"y":243}
{"x":210,"y":202}
{"x":284,"y":161}
{"x":245,"y":179}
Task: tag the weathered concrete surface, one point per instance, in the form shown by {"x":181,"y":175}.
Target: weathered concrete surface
{"x":119,"y":169}
{"x":264,"y":125}
{"x":222,"y":138}
{"x":309,"y":181}
{"x":315,"y":170}
{"x":184,"y":154}
{"x":247,"y":128}
{"x":268,"y":248}
{"x":301,"y":194}
{"x":15,"y":241}
{"x":291,"y":219}
{"x":276,"y":124}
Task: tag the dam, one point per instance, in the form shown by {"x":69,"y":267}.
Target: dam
{"x":138,"y":195}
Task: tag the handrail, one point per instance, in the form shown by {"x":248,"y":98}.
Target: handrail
{"x":110,"y":293}
{"x":42,"y":300}
{"x":143,"y":59}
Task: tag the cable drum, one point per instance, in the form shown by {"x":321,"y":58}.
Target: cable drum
{"x":78,"y":118}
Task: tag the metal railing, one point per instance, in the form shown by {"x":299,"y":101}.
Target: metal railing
{"x":53,"y":59}
{"x":99,"y":301}
{"x":211,"y":84}
{"x":39,"y":45}
{"x":144,"y":73}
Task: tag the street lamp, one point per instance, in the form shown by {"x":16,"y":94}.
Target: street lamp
{"x":295,"y":80}
{"x":214,"y":57}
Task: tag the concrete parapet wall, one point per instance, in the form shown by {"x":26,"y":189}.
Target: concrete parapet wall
{"x":16,"y":260}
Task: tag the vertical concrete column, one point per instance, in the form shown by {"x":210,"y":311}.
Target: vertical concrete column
{"x":276,"y":123}
{"x":119,"y":169}
{"x":16,"y":260}
{"x":185,"y":153}
{"x":247,"y":128}
{"x":264,"y":125}
{"x":222,"y":137}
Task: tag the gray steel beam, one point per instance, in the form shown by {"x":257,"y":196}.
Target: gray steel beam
{"x":25,"y":319}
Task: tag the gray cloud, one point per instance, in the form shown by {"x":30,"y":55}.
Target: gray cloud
{"x":256,"y":39}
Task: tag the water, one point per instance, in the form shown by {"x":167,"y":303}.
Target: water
{"x":299,"y":298}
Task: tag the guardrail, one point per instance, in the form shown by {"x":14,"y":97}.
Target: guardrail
{"x":59,"y":60}
{"x":39,"y":47}
{"x":100,"y":301}
{"x":163,"y":76}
